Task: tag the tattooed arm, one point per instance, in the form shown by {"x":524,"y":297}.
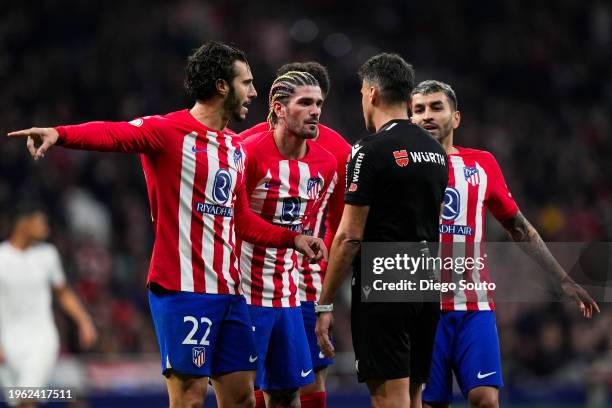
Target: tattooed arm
{"x":521,"y":230}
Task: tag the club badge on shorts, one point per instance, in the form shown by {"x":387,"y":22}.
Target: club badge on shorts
{"x":198,"y":356}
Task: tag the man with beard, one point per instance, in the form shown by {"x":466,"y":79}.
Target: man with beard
{"x":389,"y":198}
{"x":312,"y":274}
{"x":466,"y":341}
{"x":288,"y":178}
{"x":196,"y":184}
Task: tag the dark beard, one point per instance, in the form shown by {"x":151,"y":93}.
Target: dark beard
{"x":233,"y":105}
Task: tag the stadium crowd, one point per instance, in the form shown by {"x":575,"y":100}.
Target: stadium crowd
{"x":535,"y":95}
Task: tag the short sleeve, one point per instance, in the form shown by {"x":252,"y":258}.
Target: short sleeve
{"x":499,"y":201}
{"x":56,"y":272}
{"x":361,"y":175}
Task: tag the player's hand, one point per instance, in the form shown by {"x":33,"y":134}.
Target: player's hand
{"x":88,"y":335}
{"x":325,"y":322}
{"x":313,"y":248}
{"x":582,"y":298}
{"x":39,"y":140}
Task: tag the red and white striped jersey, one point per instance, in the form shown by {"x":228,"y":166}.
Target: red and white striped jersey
{"x":474,"y":181}
{"x":195,"y":182}
{"x":287,"y":193}
{"x":311,"y":275}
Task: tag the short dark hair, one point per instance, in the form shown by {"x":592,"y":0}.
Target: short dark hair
{"x":432,"y":86}
{"x":209,"y":63}
{"x":24,"y":209}
{"x":392,"y":74}
{"x":313,"y":68}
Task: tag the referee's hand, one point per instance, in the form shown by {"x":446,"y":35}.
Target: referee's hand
{"x":325,"y":322}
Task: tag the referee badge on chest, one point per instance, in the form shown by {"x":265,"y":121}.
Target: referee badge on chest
{"x":401,"y":157}
{"x":198,"y":356}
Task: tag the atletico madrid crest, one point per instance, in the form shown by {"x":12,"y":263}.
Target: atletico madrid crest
{"x":198,"y":356}
{"x":401,"y":158}
{"x":472,"y":175}
{"x":238,"y":162}
{"x":313,"y":187}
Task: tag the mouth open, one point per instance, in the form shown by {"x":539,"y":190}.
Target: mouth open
{"x":430,"y":126}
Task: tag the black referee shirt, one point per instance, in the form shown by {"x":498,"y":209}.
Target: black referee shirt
{"x":401,"y":172}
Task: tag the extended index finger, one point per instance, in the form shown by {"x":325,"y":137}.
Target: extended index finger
{"x":21,"y":133}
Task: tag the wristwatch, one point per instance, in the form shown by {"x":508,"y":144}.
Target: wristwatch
{"x":323,"y":308}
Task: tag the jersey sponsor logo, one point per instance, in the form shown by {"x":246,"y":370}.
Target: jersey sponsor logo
{"x":452,"y":204}
{"x":198,"y":356}
{"x":428,"y":157}
{"x":253,"y":359}
{"x":213,"y":209}
{"x":456,"y":229}
{"x":313,"y":187}
{"x":239,"y":161}
{"x":222,"y":186}
{"x":357,"y":168}
{"x":290,"y":210}
{"x":305,"y":374}
{"x":471,"y":175}
{"x":293,"y":227}
{"x":401,"y":158}
{"x":355,"y":149}
{"x":481,"y":376}
{"x":136,"y":122}
{"x":196,"y":150}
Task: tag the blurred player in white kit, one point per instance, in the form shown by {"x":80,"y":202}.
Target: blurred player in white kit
{"x":30,"y":271}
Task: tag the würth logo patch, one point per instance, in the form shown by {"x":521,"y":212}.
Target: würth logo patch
{"x":401,"y":157}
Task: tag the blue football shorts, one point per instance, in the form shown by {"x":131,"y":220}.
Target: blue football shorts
{"x":202,"y":334}
{"x":282,"y":348}
{"x":467,"y":344}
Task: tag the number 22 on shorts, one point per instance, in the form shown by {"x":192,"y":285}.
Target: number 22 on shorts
{"x":195,"y":324}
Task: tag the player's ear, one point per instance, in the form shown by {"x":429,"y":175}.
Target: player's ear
{"x":222,"y":87}
{"x":373,"y":94}
{"x":279,"y":109}
{"x":456,"y":119}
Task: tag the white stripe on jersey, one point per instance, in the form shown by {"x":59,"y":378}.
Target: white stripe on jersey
{"x":208,"y":236}
{"x":459,"y":250}
{"x":226,"y":221}
{"x":483,"y":303}
{"x":185,"y":211}
{"x":246,"y":258}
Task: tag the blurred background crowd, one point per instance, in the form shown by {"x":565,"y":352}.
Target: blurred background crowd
{"x":534,"y":85}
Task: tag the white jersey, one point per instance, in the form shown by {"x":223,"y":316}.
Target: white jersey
{"x":27,"y":327}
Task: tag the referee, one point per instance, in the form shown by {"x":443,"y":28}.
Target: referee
{"x":389,"y":198}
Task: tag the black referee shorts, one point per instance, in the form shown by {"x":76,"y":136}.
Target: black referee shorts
{"x":393,"y":340}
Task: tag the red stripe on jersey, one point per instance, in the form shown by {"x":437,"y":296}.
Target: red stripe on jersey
{"x":169,"y":231}
{"x":197,"y":219}
{"x":472,"y":201}
{"x":447,"y":298}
